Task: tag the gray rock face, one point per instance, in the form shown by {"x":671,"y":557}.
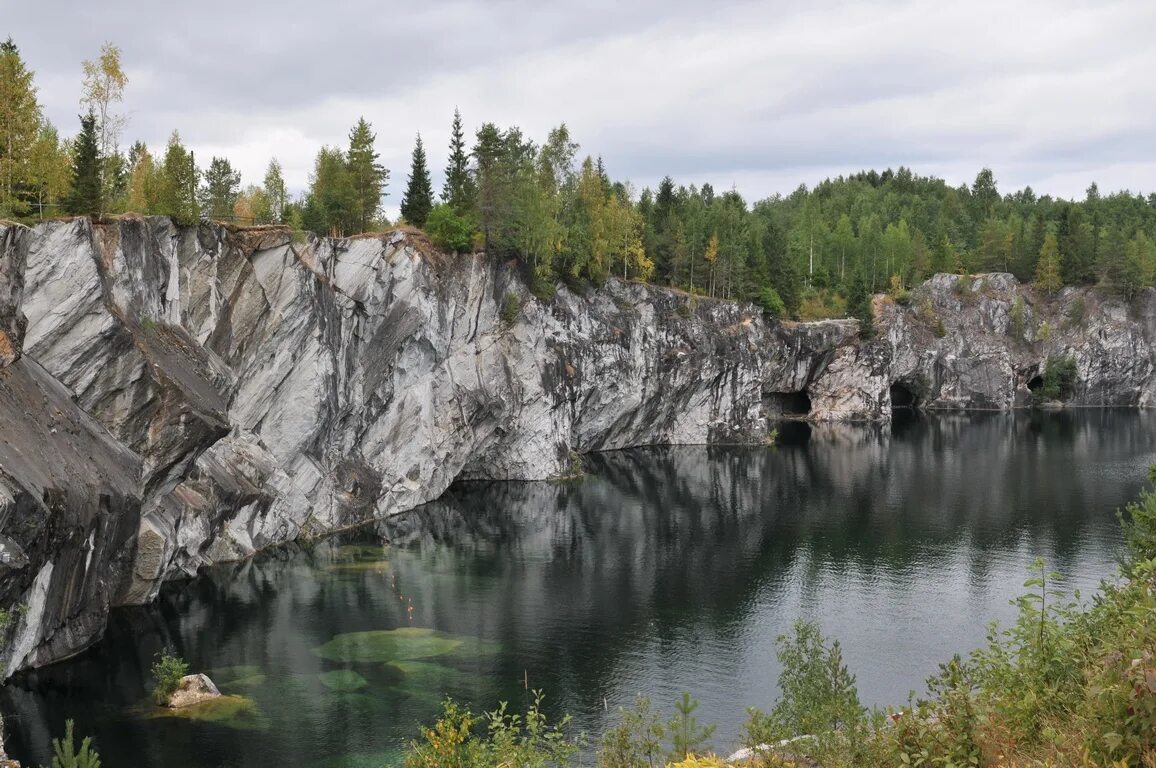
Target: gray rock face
{"x":190,"y":395}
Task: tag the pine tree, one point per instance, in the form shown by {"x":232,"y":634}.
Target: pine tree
{"x":367,"y":177}
{"x":85,"y":197}
{"x":19,"y":122}
{"x":458,"y":191}
{"x":222,"y":187}
{"x":418,"y":199}
{"x":1048,"y":277}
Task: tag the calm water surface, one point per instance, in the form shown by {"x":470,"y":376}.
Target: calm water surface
{"x":664,"y":569}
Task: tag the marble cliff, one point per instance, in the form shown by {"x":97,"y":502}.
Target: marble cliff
{"x":174,"y":396}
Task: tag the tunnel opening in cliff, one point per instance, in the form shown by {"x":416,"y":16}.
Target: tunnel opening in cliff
{"x":902,"y":397}
{"x":1035,"y":383}
{"x":788,"y":404}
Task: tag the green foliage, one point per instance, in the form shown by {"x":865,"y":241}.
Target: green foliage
{"x":176,"y":192}
{"x":66,"y":755}
{"x":19,"y":122}
{"x":1015,"y":326}
{"x":818,"y":694}
{"x":686,"y":735}
{"x":418,"y":199}
{"x":450,"y":230}
{"x":509,"y":739}
{"x":86,"y":190}
{"x":458,"y":190}
{"x":1138,"y":521}
{"x":859,"y":307}
{"x":1048,"y":276}
{"x":1060,"y":377}
{"x":771,"y":303}
{"x":511,"y":306}
{"x":636,"y":741}
{"x":220,"y":190}
{"x":167,"y":670}
{"x":367,"y":178}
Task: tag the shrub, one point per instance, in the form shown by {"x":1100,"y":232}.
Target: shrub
{"x":771,"y":303}
{"x":508,"y":740}
{"x":1060,"y":377}
{"x":167,"y":669}
{"x":65,"y":754}
{"x":635,"y":741}
{"x":450,"y":231}
{"x":510,"y":308}
{"x":818,"y":692}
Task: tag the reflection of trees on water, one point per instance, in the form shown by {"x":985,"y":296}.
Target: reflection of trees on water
{"x":654,"y":544}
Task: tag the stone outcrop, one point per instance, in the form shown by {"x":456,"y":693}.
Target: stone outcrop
{"x":175,"y":396}
{"x":193,"y":689}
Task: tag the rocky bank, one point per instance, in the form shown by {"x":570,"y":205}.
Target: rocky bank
{"x":175,"y":396}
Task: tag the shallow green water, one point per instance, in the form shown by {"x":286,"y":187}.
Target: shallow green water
{"x":665,"y":569}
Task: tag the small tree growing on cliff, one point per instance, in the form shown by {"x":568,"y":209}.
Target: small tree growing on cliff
{"x":85,"y":197}
{"x":859,"y":306}
{"x":1048,"y":269}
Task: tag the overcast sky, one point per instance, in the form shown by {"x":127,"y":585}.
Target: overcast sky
{"x":761,"y":96}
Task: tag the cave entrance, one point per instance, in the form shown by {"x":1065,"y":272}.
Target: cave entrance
{"x":1036,"y":383}
{"x":903,"y":397}
{"x":787,"y":404}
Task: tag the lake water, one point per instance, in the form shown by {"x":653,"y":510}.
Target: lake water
{"x":663,"y":570}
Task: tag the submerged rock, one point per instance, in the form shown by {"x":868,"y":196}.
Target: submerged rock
{"x":176,"y":396}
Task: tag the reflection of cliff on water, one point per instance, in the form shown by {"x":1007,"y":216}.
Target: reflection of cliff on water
{"x":662,"y":569}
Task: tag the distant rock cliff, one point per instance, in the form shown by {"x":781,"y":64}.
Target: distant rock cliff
{"x":174,"y":396}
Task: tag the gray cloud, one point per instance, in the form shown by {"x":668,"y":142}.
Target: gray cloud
{"x":758,"y":95}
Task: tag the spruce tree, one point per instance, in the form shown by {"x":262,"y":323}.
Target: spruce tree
{"x":85,"y":197}
{"x":418,"y":199}
{"x":458,"y":191}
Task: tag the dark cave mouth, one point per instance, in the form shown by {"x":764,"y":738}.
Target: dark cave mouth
{"x":903,"y":397}
{"x":787,"y":404}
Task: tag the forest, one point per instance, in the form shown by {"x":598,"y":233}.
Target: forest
{"x":816,"y":252}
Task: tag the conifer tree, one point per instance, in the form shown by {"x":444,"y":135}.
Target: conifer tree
{"x":458,"y":190}
{"x":222,"y":187}
{"x":177,"y":193}
{"x":367,"y":177}
{"x":85,"y":197}
{"x":19,"y":122}
{"x":418,"y":199}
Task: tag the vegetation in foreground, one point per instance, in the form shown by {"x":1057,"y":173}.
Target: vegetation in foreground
{"x":1068,"y":684}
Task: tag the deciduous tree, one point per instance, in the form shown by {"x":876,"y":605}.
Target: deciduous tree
{"x":104,"y":83}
